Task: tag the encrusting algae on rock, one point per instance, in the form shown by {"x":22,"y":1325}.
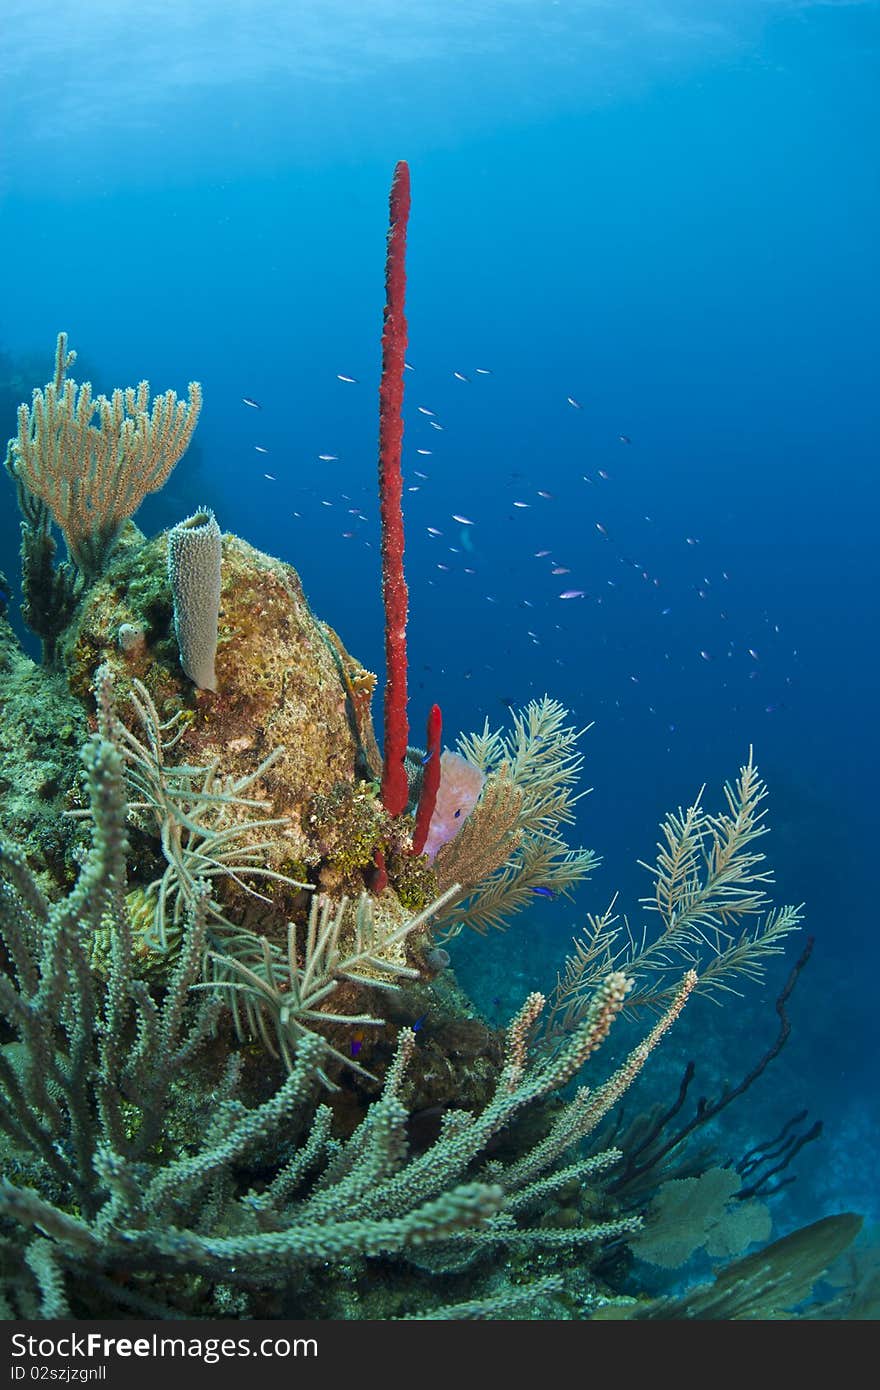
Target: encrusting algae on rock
{"x":279,"y":683}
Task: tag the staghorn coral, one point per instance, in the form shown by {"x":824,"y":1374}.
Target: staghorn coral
{"x":115,"y":1213}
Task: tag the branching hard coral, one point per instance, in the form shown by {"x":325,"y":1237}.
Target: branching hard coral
{"x":67,"y":1091}
{"x":279,"y":997}
{"x":511,"y":846}
{"x":193,"y":810}
{"x":117,"y":1214}
{"x":89,"y":1087}
{"x":93,"y":477}
{"x":364,"y":1187}
{"x":708,"y":876}
{"x":533,"y":1300}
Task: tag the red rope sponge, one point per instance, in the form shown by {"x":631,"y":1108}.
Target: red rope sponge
{"x":430,"y":781}
{"x":394,"y":592}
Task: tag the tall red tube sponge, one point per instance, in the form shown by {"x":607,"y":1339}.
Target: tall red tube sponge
{"x":430,"y":781}
{"x":394,"y":593}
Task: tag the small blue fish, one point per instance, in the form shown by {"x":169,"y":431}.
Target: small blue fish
{"x":544,"y":892}
{"x":255,"y":405}
{"x":457,"y":814}
{"x":419,"y":1023}
{"x":427,"y":758}
{"x":356,"y":1045}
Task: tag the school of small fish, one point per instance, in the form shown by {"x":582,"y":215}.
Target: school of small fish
{"x":461,"y":536}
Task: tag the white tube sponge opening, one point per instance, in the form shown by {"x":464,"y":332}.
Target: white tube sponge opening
{"x":194,"y":555}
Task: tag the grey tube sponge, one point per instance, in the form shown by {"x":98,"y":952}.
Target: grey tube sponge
{"x":194,"y":555}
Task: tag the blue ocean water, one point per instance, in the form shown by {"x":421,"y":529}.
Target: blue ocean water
{"x":653,"y":227}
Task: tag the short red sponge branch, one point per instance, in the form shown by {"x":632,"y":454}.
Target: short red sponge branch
{"x":430,"y":781}
{"x":380,"y":873}
{"x":395,"y":791}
